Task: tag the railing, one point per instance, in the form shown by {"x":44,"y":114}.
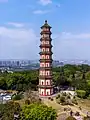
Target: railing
{"x":46,"y":52}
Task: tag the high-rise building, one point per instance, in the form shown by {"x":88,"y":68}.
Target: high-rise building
{"x":45,"y":71}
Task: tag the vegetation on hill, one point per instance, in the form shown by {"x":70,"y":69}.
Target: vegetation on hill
{"x":9,"y":110}
{"x":34,"y":111}
{"x":19,"y":81}
{"x":38,"y":112}
{"x":76,"y":76}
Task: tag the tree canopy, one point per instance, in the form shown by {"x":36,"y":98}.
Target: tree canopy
{"x":77,"y":76}
{"x":38,"y":112}
{"x":8,"y":110}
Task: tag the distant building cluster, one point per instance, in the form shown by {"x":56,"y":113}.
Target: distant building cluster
{"x":11,"y":65}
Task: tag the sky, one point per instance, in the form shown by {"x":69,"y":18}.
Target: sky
{"x":20,"y":22}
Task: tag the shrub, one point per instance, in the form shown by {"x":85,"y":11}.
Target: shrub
{"x":64,"y":103}
{"x":81,"y":93}
{"x":64,"y":94}
{"x":74,"y":101}
{"x":38,"y":112}
{"x":40,"y":100}
{"x":27,"y":102}
{"x":58,"y":101}
{"x":9,"y":109}
{"x":88,"y":97}
{"x":68,"y":97}
{"x":70,"y":118}
{"x":86,"y":118}
{"x":74,"y":97}
{"x":62,"y":99}
{"x":58,"y":96}
{"x":17,"y":97}
{"x":51,"y":99}
{"x":77,"y":114}
{"x":68,"y":102}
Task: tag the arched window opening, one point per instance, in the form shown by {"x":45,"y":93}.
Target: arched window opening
{"x":47,"y":82}
{"x":47,"y":73}
{"x":47,"y":57}
{"x":47,"y":93}
{"x":42,"y":65}
{"x":47,"y":49}
{"x":43,"y":42}
{"x":42,"y":57}
{"x":47,"y":64}
{"x":43,"y":49}
{"x":42,"y":93}
{"x":42,"y":82}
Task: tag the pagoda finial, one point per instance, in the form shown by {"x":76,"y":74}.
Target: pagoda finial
{"x":45,"y":25}
{"x":45,"y":21}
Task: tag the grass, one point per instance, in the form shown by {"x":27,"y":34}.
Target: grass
{"x":21,"y":102}
{"x":53,"y":104}
{"x":84,"y":103}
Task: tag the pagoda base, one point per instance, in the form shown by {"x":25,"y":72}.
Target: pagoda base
{"x":45,"y":96}
{"x":46,"y":92}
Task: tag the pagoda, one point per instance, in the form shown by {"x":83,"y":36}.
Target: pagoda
{"x":45,"y":71}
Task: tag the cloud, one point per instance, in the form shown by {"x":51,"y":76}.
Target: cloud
{"x":18,"y":43}
{"x":40,"y":12}
{"x":16,"y":24}
{"x":23,"y":43}
{"x":69,"y":35}
{"x":71,"y":46}
{"x":3,"y":1}
{"x":45,"y":2}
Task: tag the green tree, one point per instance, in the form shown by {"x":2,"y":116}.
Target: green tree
{"x":81,"y":93}
{"x":9,"y":109}
{"x":70,"y":118}
{"x":3,"y":84}
{"x":38,"y":112}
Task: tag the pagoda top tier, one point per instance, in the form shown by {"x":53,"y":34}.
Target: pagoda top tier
{"x":45,"y":25}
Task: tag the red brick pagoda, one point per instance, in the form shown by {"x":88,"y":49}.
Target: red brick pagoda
{"x":45,"y":71}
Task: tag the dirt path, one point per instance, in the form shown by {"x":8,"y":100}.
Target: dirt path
{"x":60,"y":109}
{"x":76,"y":109}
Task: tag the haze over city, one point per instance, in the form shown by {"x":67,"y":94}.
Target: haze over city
{"x":20,"y":22}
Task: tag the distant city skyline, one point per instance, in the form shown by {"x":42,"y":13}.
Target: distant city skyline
{"x":20,"y":23}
